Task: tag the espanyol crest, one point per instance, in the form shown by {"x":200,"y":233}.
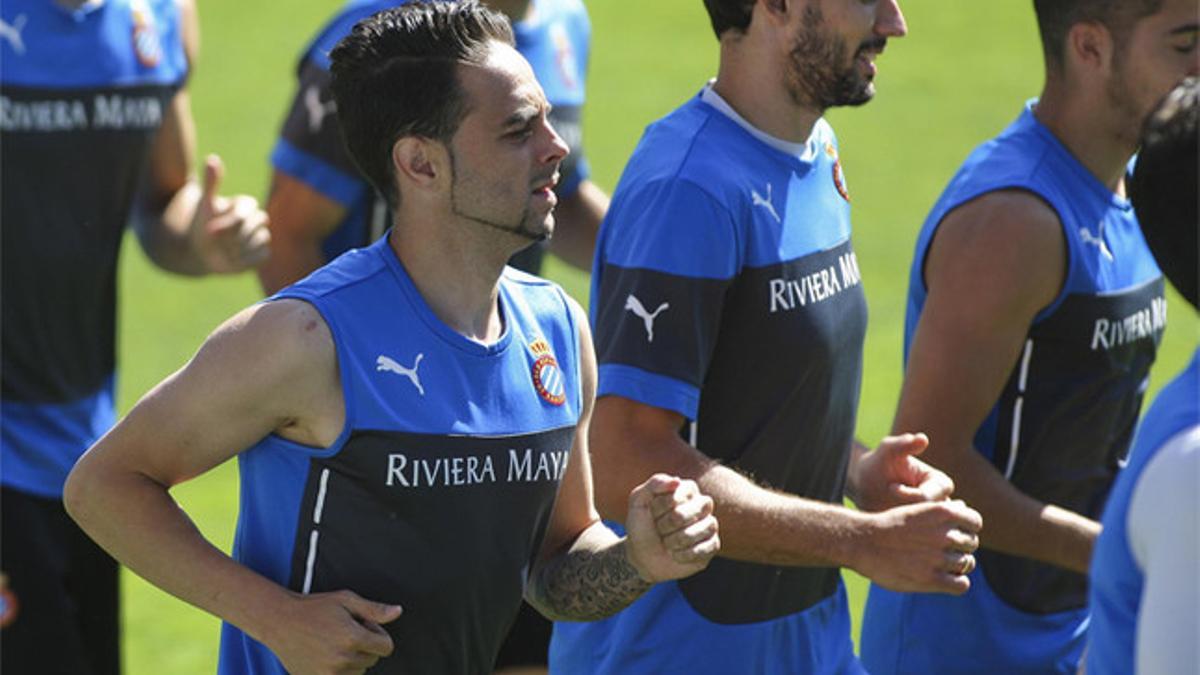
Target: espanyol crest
{"x":548,"y":377}
{"x":839,"y":179}
{"x":147,"y":43}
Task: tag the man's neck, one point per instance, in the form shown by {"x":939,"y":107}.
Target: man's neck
{"x":1088,"y":130}
{"x":458,"y":278}
{"x":753,"y":85}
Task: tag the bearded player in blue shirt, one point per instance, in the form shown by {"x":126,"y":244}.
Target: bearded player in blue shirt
{"x":730,"y":317}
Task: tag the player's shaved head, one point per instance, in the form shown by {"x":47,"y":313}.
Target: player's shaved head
{"x":396,"y":75}
{"x":1055,"y":18}
{"x":1164,"y":189}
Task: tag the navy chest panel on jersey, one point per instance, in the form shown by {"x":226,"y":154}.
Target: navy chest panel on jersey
{"x":787,"y":369}
{"x":789,"y":349}
{"x":1066,"y":420}
{"x":445,"y":526}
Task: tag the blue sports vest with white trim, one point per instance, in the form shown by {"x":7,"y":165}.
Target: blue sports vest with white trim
{"x":438,"y":491}
{"x":1060,"y":428}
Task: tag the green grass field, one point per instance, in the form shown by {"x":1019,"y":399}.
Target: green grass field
{"x":960,"y":77}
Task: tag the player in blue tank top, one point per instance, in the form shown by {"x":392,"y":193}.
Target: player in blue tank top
{"x":411,"y":420}
{"x":96,"y":132}
{"x":730,"y":317}
{"x":320,"y":203}
{"x":1145,"y":614}
{"x":1035,"y":311}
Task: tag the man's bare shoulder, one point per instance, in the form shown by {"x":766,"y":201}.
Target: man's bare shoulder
{"x":1007,"y":243}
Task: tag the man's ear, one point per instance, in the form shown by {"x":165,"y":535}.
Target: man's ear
{"x":1090,"y":47}
{"x":417,"y":160}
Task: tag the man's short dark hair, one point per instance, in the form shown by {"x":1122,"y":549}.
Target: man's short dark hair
{"x":729,"y":15}
{"x":1055,"y":18}
{"x":396,"y":75}
{"x":1165,"y":191}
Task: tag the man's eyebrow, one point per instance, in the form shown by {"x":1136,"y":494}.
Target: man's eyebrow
{"x":1188,"y":28}
{"x":522,"y":116}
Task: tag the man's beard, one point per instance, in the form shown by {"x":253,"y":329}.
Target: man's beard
{"x":520,"y":227}
{"x":814,"y":77}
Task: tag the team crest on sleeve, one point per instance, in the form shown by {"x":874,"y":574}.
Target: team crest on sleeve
{"x":548,"y":377}
{"x":146,"y":42}
{"x":839,"y":178}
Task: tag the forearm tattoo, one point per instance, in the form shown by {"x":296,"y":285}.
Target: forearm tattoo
{"x":585,"y":583}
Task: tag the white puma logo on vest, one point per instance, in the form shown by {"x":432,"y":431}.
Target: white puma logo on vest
{"x":1087,"y":237}
{"x":385,"y":363}
{"x":634,"y":305}
{"x":12,"y":33}
{"x":765,"y":203}
{"x":316,"y":109}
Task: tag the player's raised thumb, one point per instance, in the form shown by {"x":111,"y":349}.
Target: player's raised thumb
{"x":910,"y":444}
{"x":368,"y":610}
{"x":214,"y":172}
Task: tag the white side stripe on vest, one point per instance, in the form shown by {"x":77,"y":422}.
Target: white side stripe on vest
{"x":1015,"y":440}
{"x":312,"y":538}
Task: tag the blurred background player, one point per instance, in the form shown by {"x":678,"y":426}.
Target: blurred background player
{"x":411,"y":420}
{"x":96,"y":130}
{"x":1144,"y":586}
{"x":730,"y":319}
{"x":320,"y":205}
{"x":1035,"y":311}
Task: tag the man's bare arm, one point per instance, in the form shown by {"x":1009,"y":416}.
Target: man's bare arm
{"x":184,"y":226}
{"x":585,"y":571}
{"x":922,"y":547}
{"x":577,"y":221}
{"x":271,"y":368}
{"x":300,"y":220}
{"x":994,"y":264}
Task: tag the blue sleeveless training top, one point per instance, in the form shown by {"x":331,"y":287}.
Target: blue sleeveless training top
{"x":1059,"y":430}
{"x":438,"y":491}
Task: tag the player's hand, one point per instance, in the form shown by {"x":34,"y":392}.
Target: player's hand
{"x":228,"y":234}
{"x":891,"y":475}
{"x":327,"y":633}
{"x":921,"y":548}
{"x":671,"y":529}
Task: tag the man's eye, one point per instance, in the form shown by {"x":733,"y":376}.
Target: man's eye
{"x":1185,"y":43}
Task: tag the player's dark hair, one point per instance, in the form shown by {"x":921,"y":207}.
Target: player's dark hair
{"x":1055,"y":18}
{"x":396,"y":75}
{"x":729,"y":15}
{"x":1165,"y":190}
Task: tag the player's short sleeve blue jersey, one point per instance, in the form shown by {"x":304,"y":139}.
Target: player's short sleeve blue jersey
{"x":82,"y":97}
{"x":1118,"y":581}
{"x":1060,"y":428}
{"x":555,"y":38}
{"x":438,"y":492}
{"x":726,"y":290}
